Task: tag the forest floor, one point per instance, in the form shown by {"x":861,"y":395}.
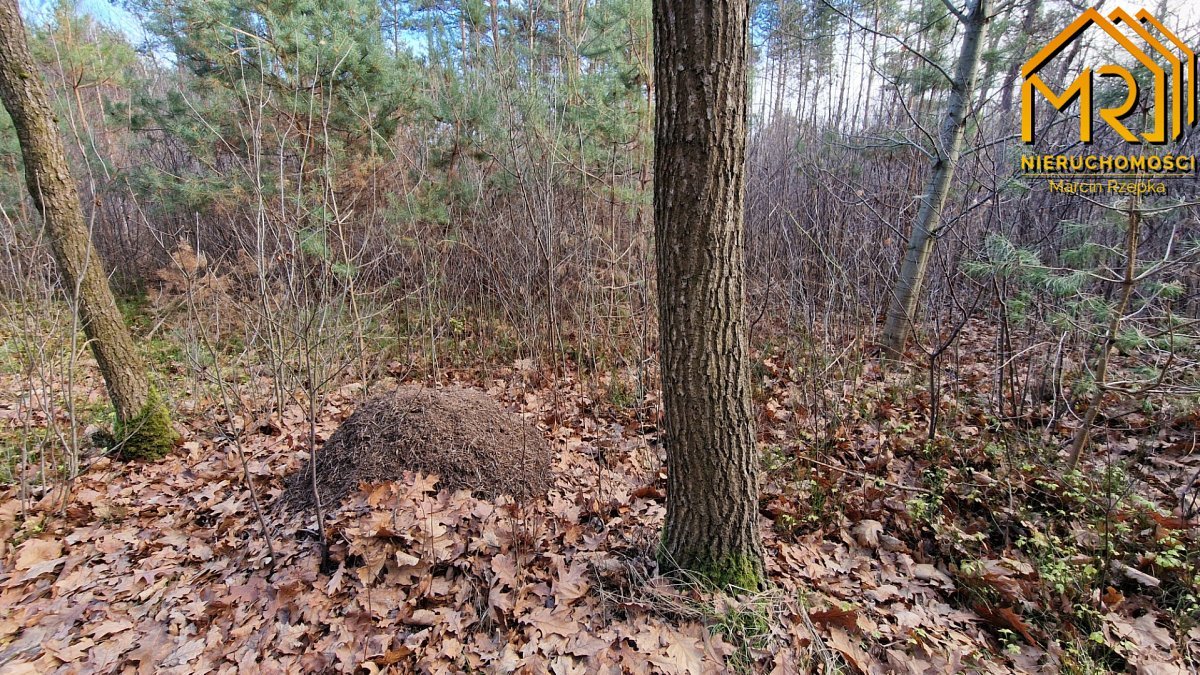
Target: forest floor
{"x":886,"y":551}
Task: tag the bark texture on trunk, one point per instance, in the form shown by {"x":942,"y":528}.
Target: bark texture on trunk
{"x":1126,"y":288}
{"x":700,"y":152}
{"x":902,"y":304}
{"x":143,"y":425}
{"x":1010,"y":77}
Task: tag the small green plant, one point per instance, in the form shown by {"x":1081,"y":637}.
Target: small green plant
{"x":621,"y":394}
{"x":923,"y":509}
{"x":822,"y":499}
{"x":1173,"y":555}
{"x":746,"y":626}
{"x":1010,"y":641}
{"x":774,"y":458}
{"x":926,"y":507}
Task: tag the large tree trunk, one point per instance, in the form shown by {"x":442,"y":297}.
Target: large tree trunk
{"x":143,"y":425}
{"x":700,"y":151}
{"x":902,"y":305}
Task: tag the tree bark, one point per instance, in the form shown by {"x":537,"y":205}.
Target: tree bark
{"x":143,"y":425}
{"x":1018,"y":57}
{"x":902,"y":305}
{"x":1128,"y":283}
{"x":700,"y":153}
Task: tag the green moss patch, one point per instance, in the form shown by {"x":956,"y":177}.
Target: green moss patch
{"x":730,"y":572}
{"x":149,"y":435}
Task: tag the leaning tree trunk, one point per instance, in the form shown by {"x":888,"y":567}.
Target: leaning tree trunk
{"x":902,"y":305}
{"x":700,"y":53}
{"x":143,"y":425}
{"x":1125,"y":295}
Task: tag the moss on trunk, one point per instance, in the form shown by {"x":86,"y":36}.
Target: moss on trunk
{"x":731,"y":572}
{"x":149,"y":435}
{"x":734,"y":573}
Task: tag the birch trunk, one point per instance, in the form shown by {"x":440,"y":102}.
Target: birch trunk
{"x":902,"y":304}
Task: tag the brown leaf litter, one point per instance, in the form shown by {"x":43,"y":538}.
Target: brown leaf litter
{"x":165,"y":569}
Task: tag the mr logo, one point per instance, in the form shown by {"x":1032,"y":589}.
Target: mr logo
{"x":1178,"y":84}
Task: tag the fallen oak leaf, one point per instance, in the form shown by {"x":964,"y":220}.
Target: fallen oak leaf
{"x":571,"y":583}
{"x":41,"y":568}
{"x":998,"y":577}
{"x":1144,"y":631}
{"x":393,"y":656}
{"x":335,"y":582}
{"x":684,"y":654}
{"x":558,"y":621}
{"x":649,"y":492}
{"x":1160,"y":668}
{"x":866,"y":533}
{"x":72,"y":652}
{"x":185,"y":653}
{"x":506,"y":569}
{"x":405,"y":559}
{"x":586,"y":645}
{"x":854,"y":654}
{"x":927,"y":572}
{"x":422,"y":617}
{"x":37,"y":551}
{"x":1112,"y":597}
{"x":1005,"y":617}
{"x":108,"y":628}
{"x":688,"y":656}
{"x":835,"y":616}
